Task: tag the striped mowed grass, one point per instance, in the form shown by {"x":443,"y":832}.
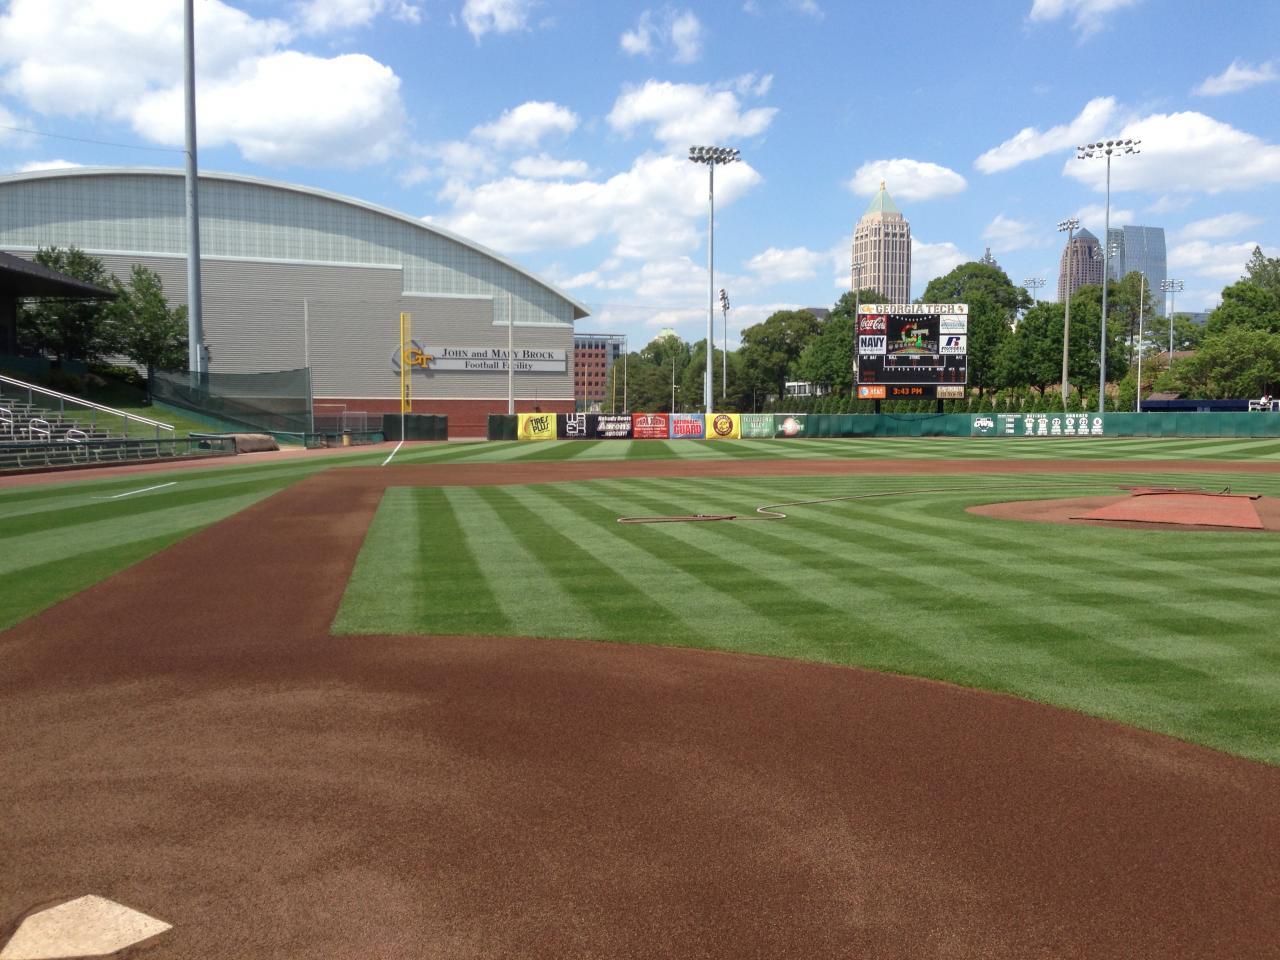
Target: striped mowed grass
{"x":1167,"y":630}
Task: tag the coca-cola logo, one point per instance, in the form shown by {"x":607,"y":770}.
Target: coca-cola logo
{"x":722,"y":425}
{"x":871,"y":325}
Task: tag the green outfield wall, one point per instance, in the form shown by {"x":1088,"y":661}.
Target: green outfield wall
{"x":1027,"y":426}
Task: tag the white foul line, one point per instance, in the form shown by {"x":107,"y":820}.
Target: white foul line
{"x":143,"y":490}
{"x":393,"y":453}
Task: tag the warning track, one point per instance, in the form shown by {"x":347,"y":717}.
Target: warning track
{"x":188,"y":738}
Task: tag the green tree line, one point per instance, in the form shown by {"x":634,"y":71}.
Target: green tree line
{"x":1015,"y":349}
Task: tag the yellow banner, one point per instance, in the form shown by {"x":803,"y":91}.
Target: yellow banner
{"x":725,"y":426}
{"x":536,"y":426}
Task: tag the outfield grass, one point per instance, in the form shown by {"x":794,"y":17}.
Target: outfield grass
{"x":1166,"y":630}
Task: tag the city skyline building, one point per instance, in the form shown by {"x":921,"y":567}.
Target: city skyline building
{"x":882,"y":246}
{"x":1086,"y":264}
{"x":1143,"y":249}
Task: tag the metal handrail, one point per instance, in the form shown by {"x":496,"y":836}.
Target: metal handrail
{"x":63,"y":398}
{"x":44,"y":429}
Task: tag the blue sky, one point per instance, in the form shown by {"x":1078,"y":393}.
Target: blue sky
{"x":556,"y":131}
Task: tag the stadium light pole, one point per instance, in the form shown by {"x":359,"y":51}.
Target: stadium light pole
{"x":1171,"y":287}
{"x":195,"y":315}
{"x":711,"y":156}
{"x":857,"y":302}
{"x":1033,"y":284}
{"x":1104,"y":149}
{"x":1142,"y":290}
{"x":1069,"y":226}
{"x":724,"y":353}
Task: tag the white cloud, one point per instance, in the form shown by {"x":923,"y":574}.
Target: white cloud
{"x":123,"y":61}
{"x":47,"y":165}
{"x":907,"y":179}
{"x":686,"y":37}
{"x":527,"y":124}
{"x":653,"y":211}
{"x":1093,"y":216}
{"x":1030,"y":143}
{"x":1006,"y":234}
{"x":543,"y":167}
{"x":1169,"y":204}
{"x":289,"y":108}
{"x":1220,"y":261}
{"x":496,"y":16}
{"x":323,"y":16}
{"x":680,"y":30}
{"x":1185,"y":153}
{"x":1239,"y":76}
{"x":1089,"y":14}
{"x":683,"y":114}
{"x":780,"y":266}
{"x":809,"y":8}
{"x":932,"y":260}
{"x":1223,"y":225}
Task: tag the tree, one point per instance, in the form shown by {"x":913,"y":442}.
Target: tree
{"x":67,"y":329}
{"x":769,"y":349}
{"x":1264,"y":271}
{"x":141,"y":324}
{"x":1032,"y":355}
{"x":1086,"y":323}
{"x":994,"y":302}
{"x":1238,"y":361}
{"x":828,"y":357}
{"x":1246,"y":304}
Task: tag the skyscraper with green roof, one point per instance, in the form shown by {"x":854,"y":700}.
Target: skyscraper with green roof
{"x":882,"y":249}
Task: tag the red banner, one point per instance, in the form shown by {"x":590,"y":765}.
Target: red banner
{"x":649,"y":426}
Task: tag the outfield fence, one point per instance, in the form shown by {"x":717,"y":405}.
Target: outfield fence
{"x":734,"y":426}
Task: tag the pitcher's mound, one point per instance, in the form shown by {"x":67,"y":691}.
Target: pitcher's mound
{"x":1149,"y":508}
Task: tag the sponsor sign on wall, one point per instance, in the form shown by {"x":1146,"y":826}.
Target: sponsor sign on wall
{"x":872,"y":391}
{"x":724,"y":426}
{"x":649,"y":426}
{"x":871,"y":343}
{"x":613,"y":426}
{"x":755,"y":425}
{"x":788,"y":425}
{"x":953,"y":344}
{"x":536,"y":426}
{"x":944,"y":392}
{"x":687,"y":426}
{"x":594,"y":426}
{"x":480,"y":359}
{"x":953,"y":324}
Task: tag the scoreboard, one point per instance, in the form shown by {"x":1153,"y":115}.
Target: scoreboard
{"x":912,"y":350}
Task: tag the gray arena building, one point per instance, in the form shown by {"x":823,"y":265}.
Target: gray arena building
{"x":296,"y":277}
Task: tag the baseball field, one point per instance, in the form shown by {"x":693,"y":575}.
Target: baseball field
{"x":450,"y":706}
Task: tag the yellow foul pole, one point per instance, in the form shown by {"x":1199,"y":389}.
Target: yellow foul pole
{"x":406,"y":382}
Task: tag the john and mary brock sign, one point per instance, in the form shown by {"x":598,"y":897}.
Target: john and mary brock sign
{"x":481,"y":359}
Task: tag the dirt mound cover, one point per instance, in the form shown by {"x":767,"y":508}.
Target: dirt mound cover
{"x":1150,"y":507}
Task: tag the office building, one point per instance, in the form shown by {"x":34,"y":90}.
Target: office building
{"x":1086,"y":264}
{"x":882,"y":244}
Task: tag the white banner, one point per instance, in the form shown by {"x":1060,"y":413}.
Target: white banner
{"x":953,"y":324}
{"x":953,"y":343}
{"x":871,"y":345}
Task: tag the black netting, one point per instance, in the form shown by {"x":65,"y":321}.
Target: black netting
{"x":276,"y":402}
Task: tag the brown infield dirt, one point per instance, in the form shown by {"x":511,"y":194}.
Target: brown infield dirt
{"x":188,"y":738}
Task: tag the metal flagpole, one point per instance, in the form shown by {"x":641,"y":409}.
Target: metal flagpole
{"x":1142,"y":281}
{"x":306,"y":362}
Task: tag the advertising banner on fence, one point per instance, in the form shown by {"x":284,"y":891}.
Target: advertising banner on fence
{"x":755,"y":425}
{"x":688,"y":426}
{"x":649,"y":426}
{"x":613,"y":426}
{"x":789,"y":425}
{"x":594,"y":426}
{"x":724,"y":426}
{"x":536,"y":426}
